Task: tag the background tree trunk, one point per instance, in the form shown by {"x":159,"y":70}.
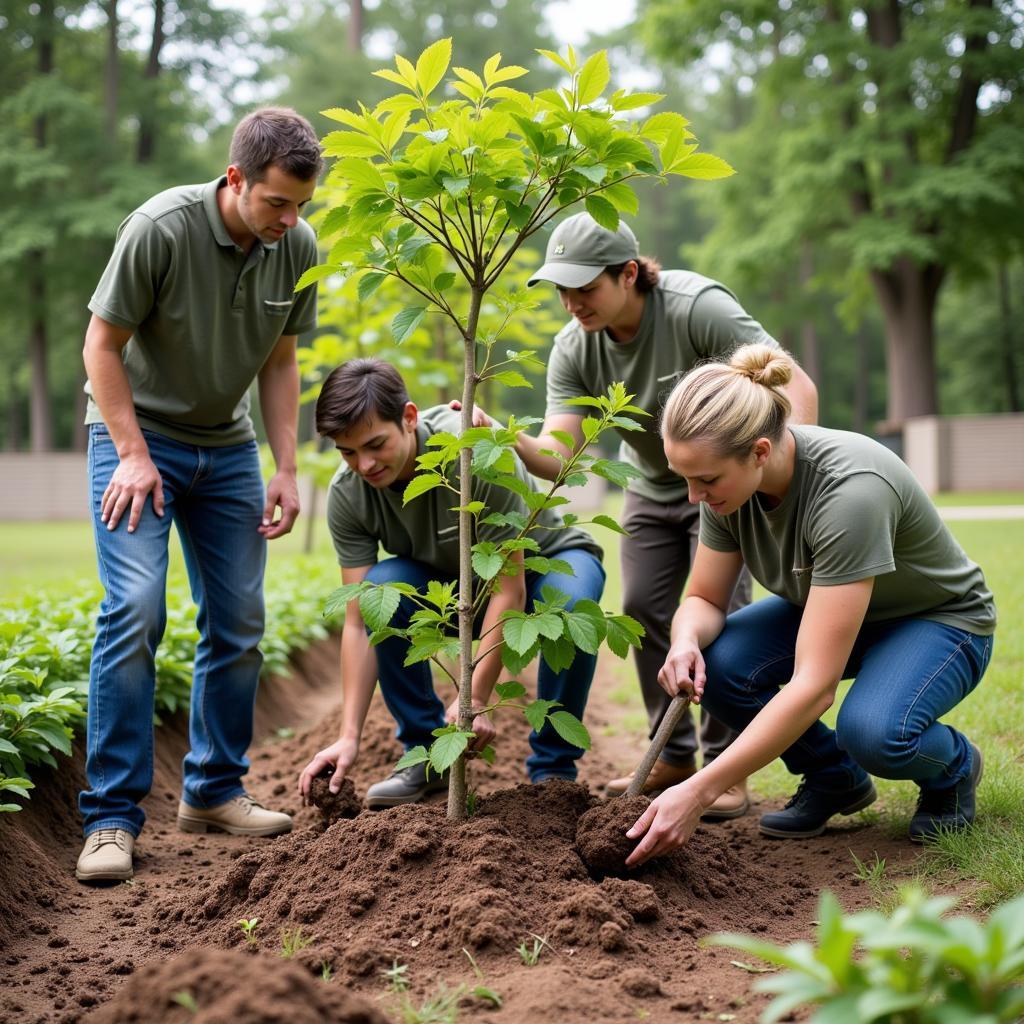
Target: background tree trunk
{"x":355,"y":26}
{"x":112,"y":77}
{"x":40,"y":411}
{"x":1006,"y":336}
{"x":147,"y":121}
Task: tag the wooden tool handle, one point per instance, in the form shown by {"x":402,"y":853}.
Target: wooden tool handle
{"x":669,"y":720}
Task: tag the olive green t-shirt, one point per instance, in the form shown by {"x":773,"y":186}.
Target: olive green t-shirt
{"x":361,"y":517}
{"x":205,"y":314}
{"x":854,"y":511}
{"x":687,"y":319}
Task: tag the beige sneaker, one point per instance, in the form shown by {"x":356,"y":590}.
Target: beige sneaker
{"x":106,"y":856}
{"x":733,"y":803}
{"x":242,"y":816}
{"x":662,"y":776}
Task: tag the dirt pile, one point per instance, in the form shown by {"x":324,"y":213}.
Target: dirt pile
{"x":408,"y":885}
{"x":215,"y":986}
{"x":601,"y":834}
{"x":334,"y":806}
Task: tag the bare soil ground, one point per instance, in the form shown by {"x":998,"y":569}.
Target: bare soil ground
{"x":402,"y":885}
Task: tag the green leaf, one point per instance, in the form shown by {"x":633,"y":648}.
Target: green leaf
{"x":447,"y":749}
{"x":510,"y":690}
{"x":510,"y":378}
{"x":314,"y":274}
{"x":593,"y":172}
{"x":432,"y":64}
{"x":487,"y":561}
{"x":584,"y":632}
{"x":378,"y":605}
{"x":369,"y":283}
{"x":440,"y":135}
{"x":549,"y":625}
{"x":623,"y":632}
{"x":537,"y":711}
{"x":420,"y":484}
{"x":487,"y":754}
{"x":444,"y":281}
{"x":520,"y":633}
{"x":593,"y":78}
{"x":704,"y":166}
{"x":359,"y":172}
{"x":570,"y":728}
{"x":603,"y":212}
{"x":637,"y":99}
{"x":609,"y":523}
{"x":418,"y":755}
{"x":518,"y":215}
{"x":455,"y":186}
{"x":559,"y":653}
{"x":406,"y":322}
{"x":622,"y":197}
{"x":558,"y":59}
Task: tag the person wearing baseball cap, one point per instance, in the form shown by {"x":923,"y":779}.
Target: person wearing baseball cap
{"x":635,"y":323}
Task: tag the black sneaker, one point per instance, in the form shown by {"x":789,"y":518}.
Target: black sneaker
{"x":808,"y":810}
{"x":405,"y":786}
{"x":949,"y":809}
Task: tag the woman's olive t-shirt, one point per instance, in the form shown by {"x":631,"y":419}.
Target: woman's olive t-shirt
{"x":854,"y":511}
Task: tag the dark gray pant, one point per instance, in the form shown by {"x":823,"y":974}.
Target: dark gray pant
{"x":656,"y":560}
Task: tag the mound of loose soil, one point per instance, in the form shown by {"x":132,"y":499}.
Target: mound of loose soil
{"x":601,"y":834}
{"x":407,"y":884}
{"x":216,"y":986}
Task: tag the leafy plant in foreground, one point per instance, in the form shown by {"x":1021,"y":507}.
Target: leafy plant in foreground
{"x":430,"y":191}
{"x":915,"y":966}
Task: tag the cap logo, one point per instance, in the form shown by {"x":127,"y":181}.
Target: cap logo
{"x":559,"y":249}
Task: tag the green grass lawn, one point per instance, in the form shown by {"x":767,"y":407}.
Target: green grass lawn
{"x":989,"y":858}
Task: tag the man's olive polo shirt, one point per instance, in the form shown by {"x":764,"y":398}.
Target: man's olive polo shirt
{"x":205,"y":314}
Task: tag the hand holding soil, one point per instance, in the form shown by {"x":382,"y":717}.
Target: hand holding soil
{"x":666,"y":824}
{"x":334,"y":805}
{"x":333,"y":762}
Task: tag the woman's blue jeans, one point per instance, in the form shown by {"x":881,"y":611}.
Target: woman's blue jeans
{"x":409,"y":691}
{"x":215,"y":498}
{"x":907,"y":674}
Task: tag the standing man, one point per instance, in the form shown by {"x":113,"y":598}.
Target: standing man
{"x":633,"y":322}
{"x":197,"y":301}
{"x":364,"y":408}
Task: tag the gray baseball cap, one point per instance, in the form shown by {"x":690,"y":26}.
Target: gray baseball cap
{"x":579,"y":249}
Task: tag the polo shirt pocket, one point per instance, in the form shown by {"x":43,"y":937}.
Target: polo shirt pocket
{"x":281,"y":307}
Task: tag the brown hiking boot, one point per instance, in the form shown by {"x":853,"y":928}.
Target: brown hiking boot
{"x":733,"y":803}
{"x":106,"y":856}
{"x":662,"y":776}
{"x":242,"y":816}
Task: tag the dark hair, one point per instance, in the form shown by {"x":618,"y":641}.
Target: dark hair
{"x":647,"y":271}
{"x":275,"y":136}
{"x":356,"y":391}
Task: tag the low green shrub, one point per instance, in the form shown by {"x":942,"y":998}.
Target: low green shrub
{"x":914,"y":966}
{"x":46,"y":645}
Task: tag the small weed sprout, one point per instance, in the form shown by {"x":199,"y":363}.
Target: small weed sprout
{"x":472,"y":803}
{"x":397,"y":977}
{"x":871,"y":871}
{"x":292,"y":940}
{"x":482,"y":991}
{"x":326,"y":971}
{"x":186,"y":999}
{"x":531,"y":954}
{"x":442,"y":1008}
{"x":249,"y":926}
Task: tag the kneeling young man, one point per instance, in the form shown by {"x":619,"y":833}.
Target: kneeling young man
{"x":364,"y":408}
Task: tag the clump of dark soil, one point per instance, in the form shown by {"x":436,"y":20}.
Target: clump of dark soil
{"x":334,"y":806}
{"x":216,"y":986}
{"x":601,"y":834}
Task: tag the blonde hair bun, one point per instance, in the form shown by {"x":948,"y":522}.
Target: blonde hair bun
{"x":763,"y":364}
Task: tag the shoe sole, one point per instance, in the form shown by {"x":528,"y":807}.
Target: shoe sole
{"x":104,"y":876}
{"x":736,"y":812}
{"x":858,"y":805}
{"x":382,"y":803}
{"x":920,"y":839}
{"x":201,"y":825}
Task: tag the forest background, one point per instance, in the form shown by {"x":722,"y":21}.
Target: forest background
{"x":875,"y":225}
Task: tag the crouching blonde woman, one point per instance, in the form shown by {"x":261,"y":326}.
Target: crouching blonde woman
{"x":865,"y":581}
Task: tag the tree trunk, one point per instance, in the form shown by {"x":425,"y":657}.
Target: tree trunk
{"x":457,"y":781}
{"x":810,"y":345}
{"x":1006,"y":336}
{"x":355,"y":26}
{"x":908,"y":294}
{"x":40,"y":412}
{"x":147,"y":121}
{"x":12,"y":435}
{"x":862,"y":381}
{"x":112,"y":78}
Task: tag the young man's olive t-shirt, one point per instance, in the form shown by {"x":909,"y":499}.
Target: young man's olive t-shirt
{"x":361,"y":516}
{"x":854,"y":511}
{"x":687,"y":319}
{"x":205,"y":315}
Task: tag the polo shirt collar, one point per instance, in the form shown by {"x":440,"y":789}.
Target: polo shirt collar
{"x":217,"y":225}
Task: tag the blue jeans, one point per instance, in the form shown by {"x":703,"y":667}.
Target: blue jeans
{"x":215,"y":498}
{"x":907,"y":674}
{"x":409,"y":691}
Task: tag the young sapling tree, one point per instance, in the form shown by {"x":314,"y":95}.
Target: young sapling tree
{"x":431,"y":187}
